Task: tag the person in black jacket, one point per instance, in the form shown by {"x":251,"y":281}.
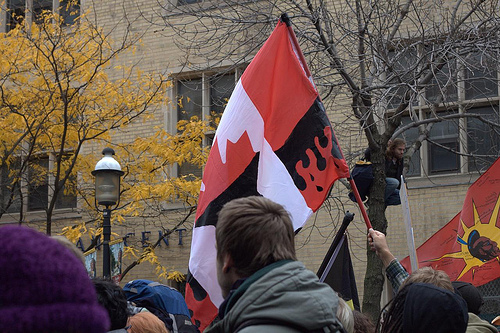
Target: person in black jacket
{"x":422,"y":308}
{"x":393,"y":170}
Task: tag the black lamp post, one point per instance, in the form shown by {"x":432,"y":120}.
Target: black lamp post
{"x":107,"y":193}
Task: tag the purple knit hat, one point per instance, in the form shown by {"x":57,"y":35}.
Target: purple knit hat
{"x":44,"y":287}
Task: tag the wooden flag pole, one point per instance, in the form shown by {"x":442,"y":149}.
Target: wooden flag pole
{"x":330,"y":256}
{"x":360,"y":203}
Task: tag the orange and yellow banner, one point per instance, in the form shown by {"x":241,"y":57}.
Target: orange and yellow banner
{"x":467,"y":247}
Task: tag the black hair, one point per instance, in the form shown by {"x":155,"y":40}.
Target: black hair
{"x":391,"y":316}
{"x":113,"y":299}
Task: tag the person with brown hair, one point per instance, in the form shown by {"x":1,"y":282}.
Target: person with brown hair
{"x":393,"y":170}
{"x":264,"y":286}
{"x":397,"y":274}
{"x":429,"y":275}
{"x":362,"y":323}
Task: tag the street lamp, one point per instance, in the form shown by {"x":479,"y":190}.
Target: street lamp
{"x":107,"y":193}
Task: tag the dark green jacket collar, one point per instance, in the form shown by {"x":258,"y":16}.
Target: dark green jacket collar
{"x":235,"y":296}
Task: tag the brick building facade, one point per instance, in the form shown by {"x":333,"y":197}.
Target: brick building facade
{"x":435,"y":197}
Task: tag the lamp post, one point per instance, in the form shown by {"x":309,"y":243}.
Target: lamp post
{"x":107,"y":174}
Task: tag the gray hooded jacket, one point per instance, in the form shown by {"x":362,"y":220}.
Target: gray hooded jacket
{"x":282,"y":297}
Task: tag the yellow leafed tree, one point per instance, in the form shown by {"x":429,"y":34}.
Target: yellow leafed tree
{"x":63,"y":87}
{"x":150,"y":185}
{"x":60,"y":90}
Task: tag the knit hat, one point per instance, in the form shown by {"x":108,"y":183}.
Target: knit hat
{"x":44,"y":287}
{"x":428,"y":308}
{"x":470,"y":294}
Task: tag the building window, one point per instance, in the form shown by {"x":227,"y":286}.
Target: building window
{"x":38,"y":184}
{"x":443,"y":87}
{"x":187,"y":2}
{"x":469,"y":85}
{"x":443,"y":147}
{"x":190,"y":95}
{"x":39,"y":7}
{"x":411,"y":136}
{"x":17,"y":11}
{"x":480,"y":77}
{"x":203,"y":97}
{"x":39,"y":193}
{"x":483,"y":141}
{"x":401,"y":76}
{"x":67,"y":198}
{"x":10,"y":187}
{"x":69,"y":11}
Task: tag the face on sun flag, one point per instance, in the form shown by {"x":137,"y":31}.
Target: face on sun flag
{"x":467,"y":248}
{"x":275,"y":140}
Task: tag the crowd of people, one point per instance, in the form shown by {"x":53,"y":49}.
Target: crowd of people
{"x":46,"y":288}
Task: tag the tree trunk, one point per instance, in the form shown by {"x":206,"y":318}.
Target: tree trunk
{"x":374,"y":278}
{"x":48,"y":229}
{"x":374,"y":282}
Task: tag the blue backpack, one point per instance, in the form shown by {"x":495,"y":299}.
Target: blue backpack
{"x":164,"y":302}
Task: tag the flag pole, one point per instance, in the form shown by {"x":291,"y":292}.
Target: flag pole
{"x":329,"y":257}
{"x":359,"y":202}
{"x":410,"y":239}
{"x":285,"y":19}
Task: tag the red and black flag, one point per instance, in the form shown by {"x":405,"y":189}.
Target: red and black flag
{"x":274,"y":140}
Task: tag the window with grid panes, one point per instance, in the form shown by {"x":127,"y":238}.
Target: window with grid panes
{"x":411,"y":136}
{"x":203,"y":97}
{"x":187,"y":2}
{"x":478,"y":94}
{"x":402,"y":76}
{"x":17,"y":9}
{"x":10,"y":186}
{"x":482,"y":140}
{"x":38,"y":186}
{"x":38,"y":178}
{"x":443,"y":143}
